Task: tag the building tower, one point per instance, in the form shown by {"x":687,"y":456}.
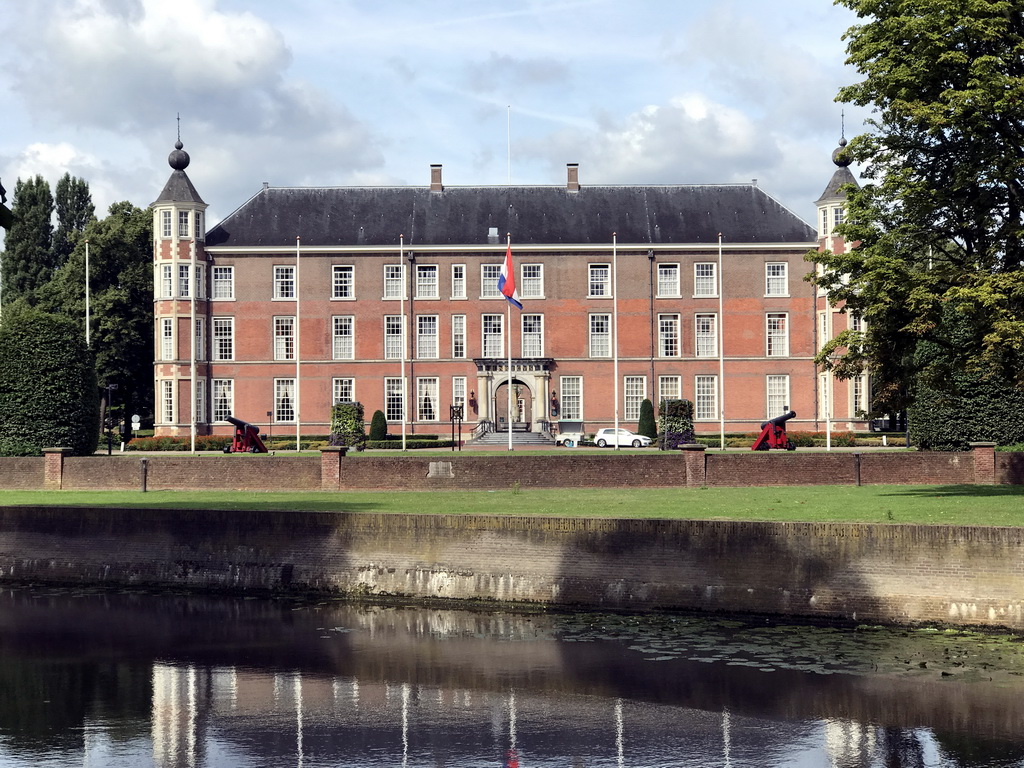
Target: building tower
{"x":179,"y":293}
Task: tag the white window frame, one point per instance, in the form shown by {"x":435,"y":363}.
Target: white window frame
{"x":198,"y":217}
{"x":427,"y":337}
{"x":634,"y":392}
{"x":167,"y":346}
{"x":223,"y":283}
{"x":200,"y":281}
{"x":394,"y":337}
{"x":223,"y":338}
{"x":394,"y":399}
{"x":571,"y":400}
{"x":600,"y":341}
{"x":428,"y":401}
{"x":669,"y":388}
{"x":705,"y":398}
{"x":859,"y":393}
{"x":166,"y":224}
{"x":167,"y":281}
{"x":342,"y":386}
{"x":489,"y":274}
{"x":776,"y":279}
{"x":343,"y":337}
{"x":668,"y":281}
{"x":167,"y":401}
{"x":223,"y":399}
{"x":777,"y":334}
{"x":200,"y":338}
{"x":599,"y":281}
{"x":532,"y":338}
{"x":459,"y":389}
{"x":427,"y":281}
{"x":394,"y":281}
{"x":284,"y":337}
{"x":184,"y":283}
{"x":669,"y":335}
{"x":284,"y":282}
{"x":343,"y":282}
{"x":459,"y":337}
{"x":200,"y":402}
{"x":705,"y":334}
{"x":776,"y":387}
{"x":284,"y":401}
{"x":705,"y":280}
{"x":183,"y":223}
{"x":492,"y":340}
{"x":458,"y":281}
{"x":531,"y":284}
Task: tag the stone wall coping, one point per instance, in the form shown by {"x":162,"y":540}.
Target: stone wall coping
{"x":64,"y":451}
{"x":692,"y":447}
{"x":982,"y":445}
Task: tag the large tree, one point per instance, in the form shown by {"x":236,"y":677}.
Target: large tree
{"x":938,"y":223}
{"x":27,"y":260}
{"x":74,"y":210}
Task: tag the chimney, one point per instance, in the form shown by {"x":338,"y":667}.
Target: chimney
{"x":435,"y":178}
{"x":573,"y":183}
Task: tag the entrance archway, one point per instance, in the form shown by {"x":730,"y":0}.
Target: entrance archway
{"x":522,"y":407}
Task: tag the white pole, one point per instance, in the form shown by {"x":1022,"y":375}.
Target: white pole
{"x":298,"y":427}
{"x":828,"y":410}
{"x":721,"y":346}
{"x":615,"y":332}
{"x":87,"y":293}
{"x":508,"y":139}
{"x":192,"y":290}
{"x":401,"y":326}
{"x":508,"y":324}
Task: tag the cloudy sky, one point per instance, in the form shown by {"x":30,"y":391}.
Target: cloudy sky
{"x":367,"y":92}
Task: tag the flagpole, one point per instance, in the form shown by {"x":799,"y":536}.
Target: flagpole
{"x":721,"y":347}
{"x":508,"y":315}
{"x":298,"y":426}
{"x":615,"y":332}
{"x":193,"y":289}
{"x":87,"y":293}
{"x":401,"y":327}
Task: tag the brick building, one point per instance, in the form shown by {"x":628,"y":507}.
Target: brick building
{"x":303,"y":297}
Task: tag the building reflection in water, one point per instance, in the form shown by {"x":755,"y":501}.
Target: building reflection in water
{"x":208,"y":683}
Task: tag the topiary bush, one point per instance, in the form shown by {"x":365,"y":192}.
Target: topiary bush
{"x":348,"y":426}
{"x":378,"y":426}
{"x":676,"y":423}
{"x":647,"y":426}
{"x":48,"y":392}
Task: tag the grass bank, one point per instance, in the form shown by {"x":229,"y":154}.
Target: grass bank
{"x":907,"y":504}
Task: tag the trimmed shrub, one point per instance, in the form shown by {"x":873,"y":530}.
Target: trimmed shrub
{"x":48,"y":392}
{"x":347,"y":425}
{"x":647,"y":426}
{"x":415,"y":441}
{"x":378,"y":426}
{"x":676,"y":423}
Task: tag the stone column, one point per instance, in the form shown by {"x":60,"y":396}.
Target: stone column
{"x":984,"y":463}
{"x":696,"y":471}
{"x":53,"y":467}
{"x":330,"y":467}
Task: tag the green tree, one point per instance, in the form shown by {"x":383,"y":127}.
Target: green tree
{"x":27,"y":260}
{"x":378,"y":426}
{"x":48,"y":394}
{"x":938,"y":224}
{"x":121,"y":306}
{"x":74,"y":210}
{"x":647,"y":425}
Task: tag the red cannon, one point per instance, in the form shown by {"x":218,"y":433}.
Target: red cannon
{"x":773,"y":434}
{"x":247,"y":438}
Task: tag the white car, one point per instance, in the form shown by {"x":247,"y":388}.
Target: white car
{"x":621,"y":437}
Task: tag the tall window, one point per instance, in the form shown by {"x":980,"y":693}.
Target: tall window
{"x":182,"y":223}
{"x":223,"y":338}
{"x":343,"y":285}
{"x":634,"y":390}
{"x":166,"y":281}
{"x":167,"y":338}
{"x":777,"y":388}
{"x":284,"y":282}
{"x":859,"y":406}
{"x":284,"y":400}
{"x":838,"y":216}
{"x":532,"y":286}
{"x":533,"y":335}
{"x":458,"y":336}
{"x":459,"y":393}
{"x":493,"y":335}
{"x":394,"y":409}
{"x":343,"y":347}
{"x":600,"y":280}
{"x":458,"y":281}
{"x":199,"y":226}
{"x":223,"y":282}
{"x":572,"y":397}
{"x":489,"y":274}
{"x":167,"y":401}
{"x":705,"y":396}
{"x":776,"y":279}
{"x":200,"y":338}
{"x":183,"y":281}
{"x":426,"y":281}
{"x":668,"y":335}
{"x":394,"y":338}
{"x":165,"y":224}
{"x":601,"y":335}
{"x":426,"y":399}
{"x":705,"y":327}
{"x":343,"y":390}
{"x":778,"y":334}
{"x":393,"y":279}
{"x":668,"y":281}
{"x":284,"y":338}
{"x":823,"y":334}
{"x":705,"y":280}
{"x":223,"y":399}
{"x":856,"y":322}
{"x":669,"y":388}
{"x":200,"y":403}
{"x":426,"y":336}
{"x":200,"y":275}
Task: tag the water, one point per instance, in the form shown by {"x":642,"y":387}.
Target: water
{"x":135,"y":679}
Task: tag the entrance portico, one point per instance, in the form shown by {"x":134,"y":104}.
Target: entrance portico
{"x":530,"y":381}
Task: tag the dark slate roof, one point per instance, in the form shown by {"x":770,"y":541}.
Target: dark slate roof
{"x":179,"y":189}
{"x":833,"y":191}
{"x":354,"y":216}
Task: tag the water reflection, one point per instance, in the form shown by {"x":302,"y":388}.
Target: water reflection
{"x":134,"y":679}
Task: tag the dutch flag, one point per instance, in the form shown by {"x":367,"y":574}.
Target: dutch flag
{"x":507,"y":280}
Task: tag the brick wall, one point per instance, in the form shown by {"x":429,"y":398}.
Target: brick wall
{"x":21,"y":473}
{"x":1010,"y":468}
{"x":868,"y":573}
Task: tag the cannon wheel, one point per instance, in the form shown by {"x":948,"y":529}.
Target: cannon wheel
{"x":763,"y":447}
{"x":790,"y":445}
{"x":567,"y":443}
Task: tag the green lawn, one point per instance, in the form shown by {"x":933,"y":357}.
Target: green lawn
{"x":951,"y":504}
